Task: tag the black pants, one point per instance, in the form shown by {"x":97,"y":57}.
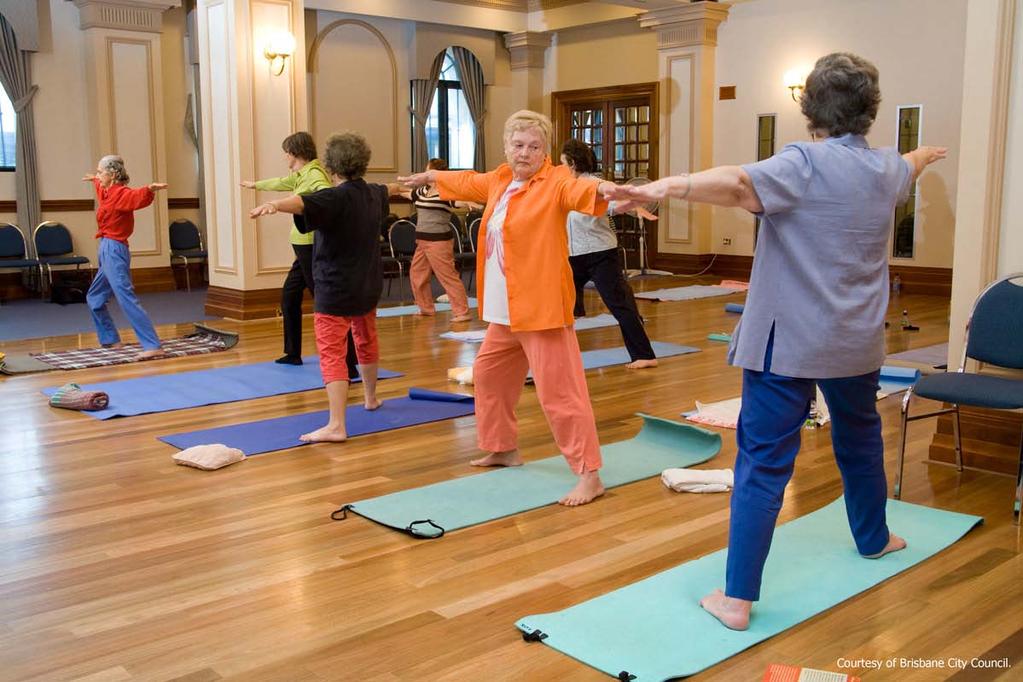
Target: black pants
{"x":605,"y":269}
{"x":300,"y":278}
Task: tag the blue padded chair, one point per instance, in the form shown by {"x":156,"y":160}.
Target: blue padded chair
{"x":14,"y":249}
{"x":993,"y":337}
{"x":55,"y":247}
{"x":402,"y":239}
{"x":186,"y":244}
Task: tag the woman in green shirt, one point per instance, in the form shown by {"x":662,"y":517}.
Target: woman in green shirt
{"x":307,"y":176}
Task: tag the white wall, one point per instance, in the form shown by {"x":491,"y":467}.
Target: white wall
{"x":1010,"y":255}
{"x":918,"y":48}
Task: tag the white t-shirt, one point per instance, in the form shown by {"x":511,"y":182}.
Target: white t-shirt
{"x":495,"y":284}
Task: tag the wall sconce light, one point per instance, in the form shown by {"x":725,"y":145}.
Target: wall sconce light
{"x":279,"y":47}
{"x":794,"y":80}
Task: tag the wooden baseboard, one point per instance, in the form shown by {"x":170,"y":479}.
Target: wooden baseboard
{"x":145,"y":280}
{"x":926,"y":281}
{"x":682,"y":263}
{"x":991,"y":439}
{"x":733,"y":267}
{"x":255,"y":304}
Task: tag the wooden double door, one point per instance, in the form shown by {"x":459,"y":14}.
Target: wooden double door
{"x":620,"y":124}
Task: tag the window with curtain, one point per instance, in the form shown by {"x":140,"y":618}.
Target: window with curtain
{"x":450,"y":132}
{"x":908,"y":139}
{"x":7,"y":132}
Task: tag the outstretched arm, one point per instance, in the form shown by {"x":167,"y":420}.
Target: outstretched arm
{"x":921,"y":157}
{"x":292,"y":204}
{"x":728,"y":186}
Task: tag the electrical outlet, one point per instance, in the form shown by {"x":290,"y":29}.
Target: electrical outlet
{"x":726,"y":242}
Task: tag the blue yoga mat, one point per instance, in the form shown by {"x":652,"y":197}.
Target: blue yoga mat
{"x":686,"y":293}
{"x":896,"y":379}
{"x":254,"y":438}
{"x":400,"y":310}
{"x":606,"y":357}
{"x":655,"y":629}
{"x":430,"y":511}
{"x":735,"y":308}
{"x":166,"y":392}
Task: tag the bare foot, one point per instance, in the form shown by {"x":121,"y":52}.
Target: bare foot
{"x":508,"y":458}
{"x":152,"y":354}
{"x":328,"y":434}
{"x":641,"y":364}
{"x":373,"y":404}
{"x":461,"y":318}
{"x":895,"y":543}
{"x":733,"y":613}
{"x":586,"y":490}
{"x":425,"y":313}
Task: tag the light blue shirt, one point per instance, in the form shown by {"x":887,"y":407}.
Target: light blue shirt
{"x":820,"y":272}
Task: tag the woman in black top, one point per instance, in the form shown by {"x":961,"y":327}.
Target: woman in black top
{"x":346,"y":272}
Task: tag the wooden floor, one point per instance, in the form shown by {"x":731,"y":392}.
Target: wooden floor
{"x":116,"y":564}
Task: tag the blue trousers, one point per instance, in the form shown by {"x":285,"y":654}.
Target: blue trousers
{"x":113,"y":278}
{"x":774,"y":409}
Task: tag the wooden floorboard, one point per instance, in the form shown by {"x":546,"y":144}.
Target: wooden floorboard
{"x":116,"y":564}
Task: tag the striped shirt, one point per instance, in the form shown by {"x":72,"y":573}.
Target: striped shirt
{"x":433,"y":214}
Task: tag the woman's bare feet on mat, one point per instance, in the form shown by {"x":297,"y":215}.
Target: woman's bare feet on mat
{"x":589,"y":488}
{"x":733,"y":613}
{"x":327,"y":434}
{"x":461,"y":318}
{"x":152,"y":354}
{"x":895,"y":543}
{"x":373,"y":404}
{"x":423,"y":313}
{"x":641,"y":364}
{"x":508,"y":458}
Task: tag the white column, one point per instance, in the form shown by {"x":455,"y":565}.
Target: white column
{"x":686,"y":41}
{"x":247,"y":110}
{"x":528,"y":50}
{"x":123,"y":73}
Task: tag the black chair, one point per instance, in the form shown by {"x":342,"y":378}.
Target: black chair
{"x":402,"y":239}
{"x":993,"y":337}
{"x":464,"y":258}
{"x":621,"y":249}
{"x":474,"y":234}
{"x":54,"y":247}
{"x":186,"y":244}
{"x":14,"y":250}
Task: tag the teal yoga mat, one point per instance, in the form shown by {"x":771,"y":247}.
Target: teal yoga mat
{"x":400,"y":310}
{"x":430,"y":511}
{"x":655,"y":629}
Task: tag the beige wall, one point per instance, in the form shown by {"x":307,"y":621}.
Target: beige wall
{"x":63,"y":131}
{"x":380,"y":111}
{"x":1010,"y":256}
{"x":617,"y":53}
{"x":919,"y":54}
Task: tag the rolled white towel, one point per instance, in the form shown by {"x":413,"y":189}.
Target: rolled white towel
{"x":698,"y":480}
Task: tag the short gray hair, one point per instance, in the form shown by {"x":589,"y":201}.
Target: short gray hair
{"x":841,"y":95}
{"x":525,"y":119}
{"x":114,"y":164}
{"x":347,"y":155}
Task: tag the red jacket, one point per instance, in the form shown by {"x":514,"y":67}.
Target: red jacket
{"x":115,"y":210}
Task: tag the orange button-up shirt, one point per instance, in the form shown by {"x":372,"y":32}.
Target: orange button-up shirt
{"x":541,"y":293}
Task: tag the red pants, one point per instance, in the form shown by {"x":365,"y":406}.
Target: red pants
{"x":439,"y":257}
{"x":332,"y":342}
{"x":499,"y":374}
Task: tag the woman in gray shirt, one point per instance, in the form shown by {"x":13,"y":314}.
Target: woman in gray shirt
{"x":814,"y":315}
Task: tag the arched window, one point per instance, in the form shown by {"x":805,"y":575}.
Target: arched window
{"x":450,"y":133}
{"x":7,"y":132}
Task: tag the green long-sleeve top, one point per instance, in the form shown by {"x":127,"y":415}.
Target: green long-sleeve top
{"x":309,"y":178}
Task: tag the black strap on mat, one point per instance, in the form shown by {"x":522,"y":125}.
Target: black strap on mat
{"x":625,"y":676}
{"x":341,"y":514}
{"x":534,"y":636}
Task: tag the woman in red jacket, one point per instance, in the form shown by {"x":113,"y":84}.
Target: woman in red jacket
{"x":115,"y":218}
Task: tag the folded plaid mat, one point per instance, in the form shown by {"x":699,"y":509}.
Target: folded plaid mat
{"x":203,"y":340}
{"x":72,"y":397}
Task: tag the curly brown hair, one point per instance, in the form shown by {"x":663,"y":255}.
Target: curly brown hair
{"x":579,"y":155}
{"x":841,"y":95}
{"x":300,"y":145}
{"x":347,"y":155}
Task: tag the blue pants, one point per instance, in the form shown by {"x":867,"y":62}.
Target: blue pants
{"x":774,"y":409}
{"x":113,"y":277}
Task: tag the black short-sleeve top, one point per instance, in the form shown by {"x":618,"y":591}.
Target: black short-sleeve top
{"x":346,"y":250}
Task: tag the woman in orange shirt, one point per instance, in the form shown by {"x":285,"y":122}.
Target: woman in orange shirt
{"x":527,"y":297}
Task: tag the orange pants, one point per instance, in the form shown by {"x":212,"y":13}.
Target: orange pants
{"x":440,"y":258}
{"x":499,"y":374}
{"x":332,"y":342}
